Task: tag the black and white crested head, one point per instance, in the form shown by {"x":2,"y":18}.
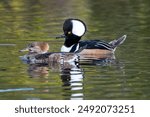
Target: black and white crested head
{"x":74,"y":27}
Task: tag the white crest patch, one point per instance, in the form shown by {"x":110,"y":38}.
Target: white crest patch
{"x":78,"y":28}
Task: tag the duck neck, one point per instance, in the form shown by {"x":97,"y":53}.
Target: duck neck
{"x":71,"y":41}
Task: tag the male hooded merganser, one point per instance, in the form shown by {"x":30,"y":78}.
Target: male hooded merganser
{"x":38,"y":53}
{"x":74,"y":29}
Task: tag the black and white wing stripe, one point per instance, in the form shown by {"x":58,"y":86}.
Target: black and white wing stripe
{"x":104,"y":45}
{"x":95,"y":44}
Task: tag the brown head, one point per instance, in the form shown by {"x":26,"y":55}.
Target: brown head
{"x":37,"y":47}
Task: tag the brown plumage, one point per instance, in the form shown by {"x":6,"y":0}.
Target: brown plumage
{"x":38,"y":53}
{"x":36,"y":47}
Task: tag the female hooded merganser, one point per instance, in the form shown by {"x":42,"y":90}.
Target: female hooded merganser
{"x":74,"y":29}
{"x":36,"y":48}
{"x":38,"y":53}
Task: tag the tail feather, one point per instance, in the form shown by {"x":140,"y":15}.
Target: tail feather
{"x":117,"y":42}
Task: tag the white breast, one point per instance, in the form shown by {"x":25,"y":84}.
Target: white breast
{"x":65,"y":49}
{"x":68,"y":49}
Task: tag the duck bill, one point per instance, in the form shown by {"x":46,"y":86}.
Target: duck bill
{"x":60,"y":36}
{"x":24,"y":50}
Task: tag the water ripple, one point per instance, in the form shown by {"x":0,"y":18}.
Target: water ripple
{"x":17,"y":89}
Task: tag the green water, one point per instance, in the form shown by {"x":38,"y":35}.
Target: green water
{"x":25,"y":21}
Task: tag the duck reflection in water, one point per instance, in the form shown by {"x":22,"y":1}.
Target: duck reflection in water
{"x":72,"y":79}
{"x":40,"y":61}
{"x":38,"y":71}
{"x":71,"y":76}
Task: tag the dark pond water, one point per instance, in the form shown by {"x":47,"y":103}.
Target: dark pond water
{"x":126,"y":77}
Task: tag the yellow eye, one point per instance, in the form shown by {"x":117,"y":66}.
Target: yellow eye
{"x":69,"y":32}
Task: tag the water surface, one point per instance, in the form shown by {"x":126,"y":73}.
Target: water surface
{"x":125,"y":77}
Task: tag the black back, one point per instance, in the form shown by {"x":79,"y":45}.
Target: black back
{"x":95,"y":44}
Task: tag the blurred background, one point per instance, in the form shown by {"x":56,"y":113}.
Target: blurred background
{"x":25,"y":21}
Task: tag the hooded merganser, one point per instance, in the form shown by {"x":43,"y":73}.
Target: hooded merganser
{"x":74,"y":29}
{"x":38,"y":53}
{"x":36,"y":47}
